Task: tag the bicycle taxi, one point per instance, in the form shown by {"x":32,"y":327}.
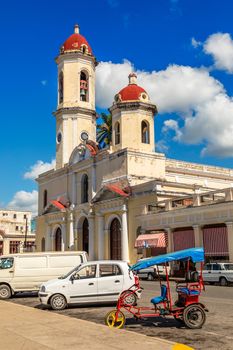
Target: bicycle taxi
{"x":187,"y":309}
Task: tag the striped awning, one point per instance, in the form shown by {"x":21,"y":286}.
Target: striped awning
{"x":153,"y":240}
{"x":183,"y":239}
{"x":215,"y":241}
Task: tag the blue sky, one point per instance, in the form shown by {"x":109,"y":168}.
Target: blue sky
{"x":164,"y":41}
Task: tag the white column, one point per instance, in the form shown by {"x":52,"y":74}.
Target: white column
{"x":63,"y":243}
{"x":198,"y":237}
{"x":91,"y":243}
{"x":71,"y":224}
{"x":75,"y":239}
{"x":48,"y":239}
{"x":170,"y":247}
{"x":230,"y":239}
{"x":100,"y":237}
{"x":124,"y":237}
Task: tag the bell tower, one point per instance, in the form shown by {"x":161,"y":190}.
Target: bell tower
{"x":75,"y":114}
{"x":133,"y":118}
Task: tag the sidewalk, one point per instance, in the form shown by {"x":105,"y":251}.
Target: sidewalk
{"x":25,"y":328}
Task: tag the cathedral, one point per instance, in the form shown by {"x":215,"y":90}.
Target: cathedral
{"x":126,"y":200}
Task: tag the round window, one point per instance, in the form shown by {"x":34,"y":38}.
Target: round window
{"x":84,"y":136}
{"x":144,"y":96}
{"x":59,"y":137}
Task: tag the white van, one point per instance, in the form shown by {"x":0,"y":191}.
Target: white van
{"x":27,"y":271}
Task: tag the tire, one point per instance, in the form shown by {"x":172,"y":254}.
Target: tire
{"x":194,"y":316}
{"x":129,"y":298}
{"x":223,"y":282}
{"x":110,"y":319}
{"x":58,"y":302}
{"x":150,"y":277}
{"x":5,"y":292}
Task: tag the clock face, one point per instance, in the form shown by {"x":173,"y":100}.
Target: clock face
{"x":59,"y":137}
{"x":84,"y":136}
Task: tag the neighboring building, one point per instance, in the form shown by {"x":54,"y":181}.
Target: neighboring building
{"x":15,"y":232}
{"x":106,"y":201}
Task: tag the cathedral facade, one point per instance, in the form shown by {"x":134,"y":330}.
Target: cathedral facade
{"x":127,"y":199}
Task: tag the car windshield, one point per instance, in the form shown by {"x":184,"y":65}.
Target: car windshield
{"x":228,"y":266}
{"x":6,"y":263}
{"x":69,"y":273}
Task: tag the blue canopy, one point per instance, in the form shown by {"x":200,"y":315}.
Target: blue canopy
{"x":194,"y":254}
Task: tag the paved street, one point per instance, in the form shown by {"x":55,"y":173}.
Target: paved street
{"x":217,"y":332}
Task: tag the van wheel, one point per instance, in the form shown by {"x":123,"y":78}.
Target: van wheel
{"x":150,"y":277}
{"x":223,"y":282}
{"x":58,"y":302}
{"x":5,"y":291}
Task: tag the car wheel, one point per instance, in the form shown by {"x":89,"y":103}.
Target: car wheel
{"x":194,"y":316}
{"x":5,"y":291}
{"x":58,"y":302}
{"x":223,"y":282}
{"x":129,"y":298}
{"x":150,"y":277}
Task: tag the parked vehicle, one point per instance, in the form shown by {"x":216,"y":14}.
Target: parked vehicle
{"x":218,"y":272}
{"x":91,"y":282}
{"x":26,"y":271}
{"x":153,"y":272}
{"x":187,"y":309}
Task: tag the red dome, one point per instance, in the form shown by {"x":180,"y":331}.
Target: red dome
{"x":75,"y":41}
{"x":132,"y":92}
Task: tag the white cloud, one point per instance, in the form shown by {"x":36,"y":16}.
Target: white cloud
{"x":220,"y":47}
{"x":38,"y":168}
{"x":195,"y":43}
{"x":110,"y":78}
{"x":175,"y":89}
{"x":204,"y":109}
{"x":172,"y":124}
{"x":23,"y":200}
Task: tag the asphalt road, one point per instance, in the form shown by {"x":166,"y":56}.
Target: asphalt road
{"x":217,"y":333}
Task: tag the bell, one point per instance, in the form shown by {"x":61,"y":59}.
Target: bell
{"x":82,"y":92}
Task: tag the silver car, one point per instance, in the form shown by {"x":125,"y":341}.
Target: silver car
{"x":218,"y":272}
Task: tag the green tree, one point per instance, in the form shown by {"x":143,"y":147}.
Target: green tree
{"x":104,"y":130}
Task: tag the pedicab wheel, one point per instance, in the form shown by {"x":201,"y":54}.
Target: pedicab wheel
{"x":194,"y":316}
{"x":113,"y":322}
{"x":129,"y":298}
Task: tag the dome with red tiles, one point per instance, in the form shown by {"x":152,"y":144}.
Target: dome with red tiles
{"x":76,"y":42}
{"x":132,"y":92}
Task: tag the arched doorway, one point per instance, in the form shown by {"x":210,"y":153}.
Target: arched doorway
{"x":58,"y":240}
{"x":115,"y":240}
{"x":85,"y":235}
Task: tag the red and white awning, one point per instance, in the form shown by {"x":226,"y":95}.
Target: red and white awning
{"x":153,"y":240}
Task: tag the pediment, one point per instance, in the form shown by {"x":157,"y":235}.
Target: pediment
{"x":109,"y":192}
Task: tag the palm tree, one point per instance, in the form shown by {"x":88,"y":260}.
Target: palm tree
{"x":104,"y":130}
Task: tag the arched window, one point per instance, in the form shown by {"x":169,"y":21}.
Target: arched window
{"x":43,"y":244}
{"x":45,"y":200}
{"x":83,"y":86}
{"x":60,"y":89}
{"x":145,"y":132}
{"x":117,"y":133}
{"x":84,"y":189}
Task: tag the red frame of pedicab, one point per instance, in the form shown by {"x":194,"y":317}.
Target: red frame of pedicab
{"x":167,"y":305}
